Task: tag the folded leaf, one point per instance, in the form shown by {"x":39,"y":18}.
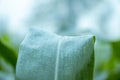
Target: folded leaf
{"x":47,"y":56}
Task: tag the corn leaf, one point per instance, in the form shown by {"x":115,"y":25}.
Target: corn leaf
{"x":47,"y":56}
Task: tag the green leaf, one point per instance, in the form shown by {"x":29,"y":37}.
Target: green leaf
{"x":116,"y":50}
{"x":8,"y":54}
{"x":47,"y":56}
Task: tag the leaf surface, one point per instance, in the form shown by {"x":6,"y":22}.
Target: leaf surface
{"x":47,"y":56}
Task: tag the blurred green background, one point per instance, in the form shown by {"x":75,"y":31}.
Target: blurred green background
{"x":64,"y":17}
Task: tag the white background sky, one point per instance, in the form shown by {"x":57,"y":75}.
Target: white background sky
{"x":16,"y":11}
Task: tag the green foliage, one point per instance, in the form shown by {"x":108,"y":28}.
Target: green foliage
{"x":8,"y":54}
{"x":116,"y":50}
{"x":114,"y":71}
